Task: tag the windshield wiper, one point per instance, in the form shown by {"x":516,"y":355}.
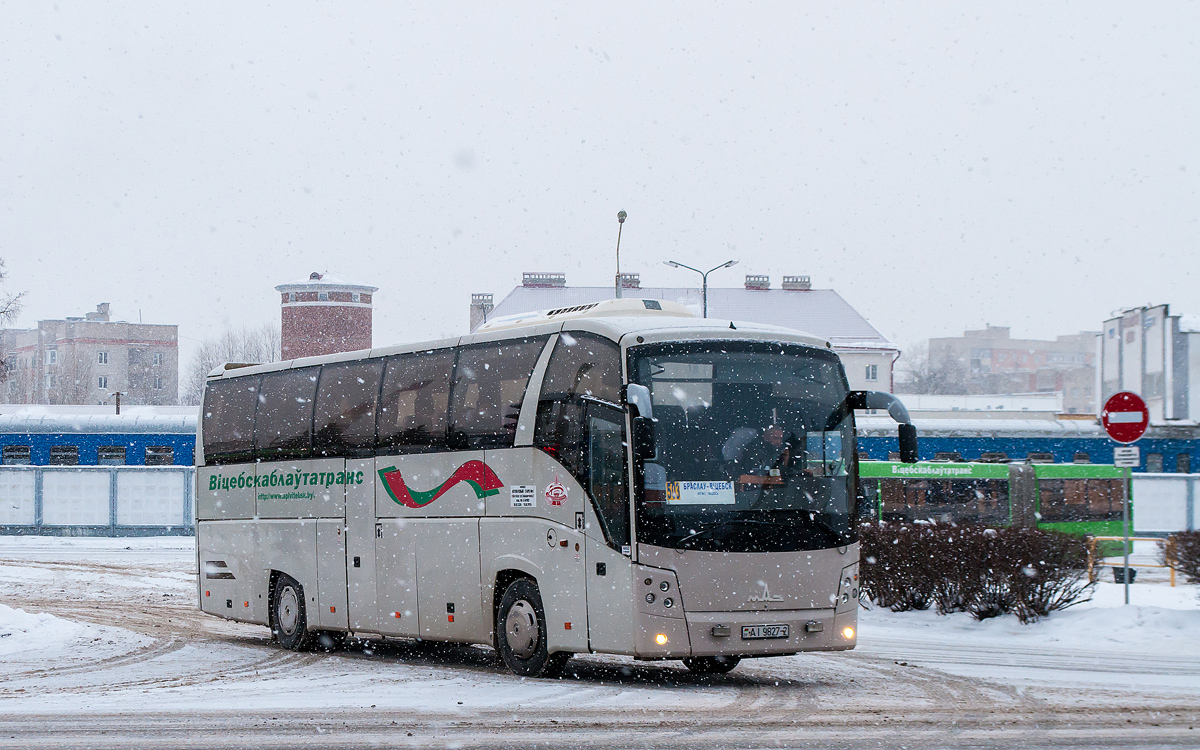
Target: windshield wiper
{"x":812,"y":517}
{"x":711,"y":525}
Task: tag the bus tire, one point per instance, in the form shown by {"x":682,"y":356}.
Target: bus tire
{"x":288,"y":617}
{"x":521,"y":633}
{"x":711,"y":664}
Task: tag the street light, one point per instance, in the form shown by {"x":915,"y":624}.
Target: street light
{"x":704,"y":276}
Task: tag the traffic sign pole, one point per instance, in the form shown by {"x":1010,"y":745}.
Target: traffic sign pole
{"x":1125,"y":419}
{"x":1125,"y":521}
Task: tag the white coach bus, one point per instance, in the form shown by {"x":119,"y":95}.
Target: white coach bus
{"x":483,"y":490}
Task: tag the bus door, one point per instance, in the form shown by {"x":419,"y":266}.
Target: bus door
{"x":609,"y":583}
{"x":359,"y":561}
{"x":332,"y":482}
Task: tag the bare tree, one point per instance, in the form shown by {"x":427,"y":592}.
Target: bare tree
{"x":245,"y":345}
{"x":10,"y":305}
{"x":74,"y":382}
{"x":920,"y":372}
{"x":20,"y":385}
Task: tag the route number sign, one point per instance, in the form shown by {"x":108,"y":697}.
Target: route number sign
{"x":1125,"y":417}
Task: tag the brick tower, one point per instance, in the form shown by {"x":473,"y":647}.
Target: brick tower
{"x":324,"y":315}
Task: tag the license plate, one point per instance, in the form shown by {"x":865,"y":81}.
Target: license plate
{"x":758,"y":632}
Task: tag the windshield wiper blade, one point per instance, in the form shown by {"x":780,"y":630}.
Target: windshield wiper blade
{"x":711,"y":525}
{"x":829,"y":529}
{"x":807,"y":517}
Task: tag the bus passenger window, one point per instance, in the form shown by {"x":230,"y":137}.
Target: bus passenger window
{"x":415,"y":402}
{"x":283,"y":421}
{"x":344,"y":421}
{"x":489,"y":387}
{"x":228,"y":419}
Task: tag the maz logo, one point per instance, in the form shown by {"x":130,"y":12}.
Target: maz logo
{"x":765,"y":596}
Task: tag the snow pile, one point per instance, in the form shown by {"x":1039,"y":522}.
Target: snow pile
{"x":1160,"y":619}
{"x":35,"y":640}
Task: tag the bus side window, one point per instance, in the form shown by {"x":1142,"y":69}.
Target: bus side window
{"x":283,"y":421}
{"x":558,"y":431}
{"x":228,"y":419}
{"x":583,"y":365}
{"x":415,"y":402}
{"x":489,"y":387}
{"x":344,"y":420}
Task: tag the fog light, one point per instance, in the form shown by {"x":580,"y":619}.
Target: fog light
{"x":661,"y":639}
{"x":848,"y":633}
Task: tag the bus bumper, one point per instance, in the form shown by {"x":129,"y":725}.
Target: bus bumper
{"x":721,"y":633}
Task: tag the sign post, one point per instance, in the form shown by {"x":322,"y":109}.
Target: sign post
{"x":1125,"y":418}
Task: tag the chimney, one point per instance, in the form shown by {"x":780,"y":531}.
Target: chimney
{"x":631,"y":281}
{"x":797,"y":283}
{"x":101,"y":313}
{"x":481,"y":305}
{"x":543,"y":280}
{"x":758,"y":283}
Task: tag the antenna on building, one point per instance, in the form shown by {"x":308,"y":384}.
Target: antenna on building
{"x":620,"y":224}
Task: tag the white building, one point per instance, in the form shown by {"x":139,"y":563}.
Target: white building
{"x":1156,"y":355}
{"x":867,"y":354}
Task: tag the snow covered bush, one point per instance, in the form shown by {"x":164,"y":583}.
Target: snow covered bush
{"x":1048,"y":571}
{"x":1181,"y":552}
{"x":966,"y":568}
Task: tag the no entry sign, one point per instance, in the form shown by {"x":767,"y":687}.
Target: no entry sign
{"x":1125,"y":417}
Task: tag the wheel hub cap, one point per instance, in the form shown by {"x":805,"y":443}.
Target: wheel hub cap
{"x":289,"y":610}
{"x":521,"y":629}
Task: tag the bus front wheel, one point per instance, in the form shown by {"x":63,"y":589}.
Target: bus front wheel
{"x":711,"y":664}
{"x":521,"y":633}
{"x":288,"y":616}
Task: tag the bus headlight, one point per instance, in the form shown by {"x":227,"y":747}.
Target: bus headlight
{"x":848,"y":633}
{"x":661,"y":639}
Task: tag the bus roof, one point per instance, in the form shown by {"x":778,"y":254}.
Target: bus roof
{"x":613,"y":319}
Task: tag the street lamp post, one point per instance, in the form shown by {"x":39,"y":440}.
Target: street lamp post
{"x":704,"y":278}
{"x":620,"y":224}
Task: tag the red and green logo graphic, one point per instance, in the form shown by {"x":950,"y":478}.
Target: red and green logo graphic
{"x":475,"y":473}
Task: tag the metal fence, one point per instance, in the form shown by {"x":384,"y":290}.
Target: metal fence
{"x":1164,"y":503}
{"x":97,"y":500}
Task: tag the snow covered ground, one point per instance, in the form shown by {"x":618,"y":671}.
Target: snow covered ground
{"x":101,"y":645}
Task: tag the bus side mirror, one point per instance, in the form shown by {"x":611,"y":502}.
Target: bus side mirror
{"x":638,"y":397}
{"x":895,"y":408}
{"x":908,"y":443}
{"x":644,"y":447}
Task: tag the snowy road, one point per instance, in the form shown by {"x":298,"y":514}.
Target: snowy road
{"x":101,"y":646}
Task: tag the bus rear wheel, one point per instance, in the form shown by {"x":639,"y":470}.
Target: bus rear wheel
{"x":288,"y":617}
{"x":521,"y":633}
{"x":711,"y":664}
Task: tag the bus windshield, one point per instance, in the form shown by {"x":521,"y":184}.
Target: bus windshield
{"x":755,"y":448}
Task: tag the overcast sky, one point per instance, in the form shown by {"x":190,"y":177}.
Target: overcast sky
{"x":1034,"y":167}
